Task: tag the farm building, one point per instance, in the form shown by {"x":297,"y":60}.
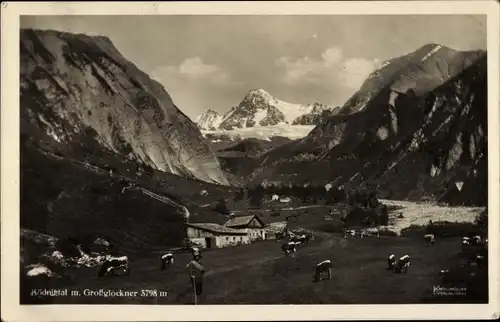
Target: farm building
{"x":211,"y":235}
{"x":253,"y":225}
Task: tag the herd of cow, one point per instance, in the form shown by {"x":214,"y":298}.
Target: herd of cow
{"x":113,"y":264}
{"x":324,"y":268}
{"x":397,"y":265}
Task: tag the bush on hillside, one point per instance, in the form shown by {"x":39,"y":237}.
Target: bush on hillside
{"x":221,"y":207}
{"x":368,"y":216}
{"x":482,"y":222}
{"x":442,"y":229}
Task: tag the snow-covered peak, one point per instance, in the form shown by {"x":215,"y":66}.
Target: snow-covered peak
{"x":261,"y":92}
{"x":209,"y":119}
{"x":259,"y":108}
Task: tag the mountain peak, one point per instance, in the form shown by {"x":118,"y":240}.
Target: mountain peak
{"x":208,"y":120}
{"x":259,"y":92}
{"x":260,"y":108}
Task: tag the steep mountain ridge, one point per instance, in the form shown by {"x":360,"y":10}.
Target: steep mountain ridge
{"x":421,"y":71}
{"x":409,"y":137}
{"x":82,"y":93}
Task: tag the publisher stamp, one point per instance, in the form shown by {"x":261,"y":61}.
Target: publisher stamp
{"x":439,"y":290}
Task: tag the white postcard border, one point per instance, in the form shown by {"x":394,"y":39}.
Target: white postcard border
{"x":10,"y":221}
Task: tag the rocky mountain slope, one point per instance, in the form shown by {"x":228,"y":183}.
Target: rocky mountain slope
{"x":80,"y":92}
{"x":260,"y":109}
{"x":416,"y":128}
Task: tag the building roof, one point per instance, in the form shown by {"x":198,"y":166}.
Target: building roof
{"x":242,"y":221}
{"x":216,"y":228}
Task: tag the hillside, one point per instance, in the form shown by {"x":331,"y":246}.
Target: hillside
{"x":80,"y":92}
{"x":416,"y":128}
{"x":241,"y":158}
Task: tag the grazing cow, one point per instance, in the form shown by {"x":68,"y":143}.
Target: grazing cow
{"x":290,"y":248}
{"x":402,"y":264}
{"x":300,"y":239}
{"x":322,"y":268}
{"x":113,"y":263}
{"x":429,"y":238}
{"x":391,"y":261}
{"x":444,"y":275}
{"x":349,"y":233}
{"x":466,"y":241}
{"x":480,"y":260}
{"x":304,"y":239}
{"x":275,"y":197}
{"x":285,"y":200}
{"x":167,"y":260}
{"x":370,"y":232}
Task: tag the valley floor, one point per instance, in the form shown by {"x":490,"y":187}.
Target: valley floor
{"x":260,"y":274}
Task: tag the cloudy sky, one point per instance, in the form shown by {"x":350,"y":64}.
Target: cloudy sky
{"x":212,"y":61}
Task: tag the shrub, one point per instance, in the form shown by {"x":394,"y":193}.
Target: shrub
{"x":221,"y":207}
{"x":387,"y":232}
{"x":442,"y":229}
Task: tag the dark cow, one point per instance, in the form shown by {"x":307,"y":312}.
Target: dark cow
{"x":476,"y":240}
{"x":301,"y":239}
{"x":304,"y":239}
{"x":402,"y":264}
{"x":391,"y":261}
{"x":196,"y":251}
{"x":290,"y":248}
{"x":349,"y":233}
{"x":167,"y":260}
{"x":113,"y":263}
{"x":322,"y":268}
{"x":480,"y":260}
{"x":430,"y":238}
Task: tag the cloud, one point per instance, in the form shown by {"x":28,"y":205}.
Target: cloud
{"x":193,"y":69}
{"x":196,"y":86}
{"x":331,"y":69}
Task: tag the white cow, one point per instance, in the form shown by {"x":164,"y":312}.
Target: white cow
{"x":322,"y":268}
{"x":285,"y":200}
{"x":113,"y":263}
{"x":391,"y":261}
{"x":403,"y":264}
{"x":166,"y":260}
{"x":429,"y":238}
{"x":275,"y":197}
